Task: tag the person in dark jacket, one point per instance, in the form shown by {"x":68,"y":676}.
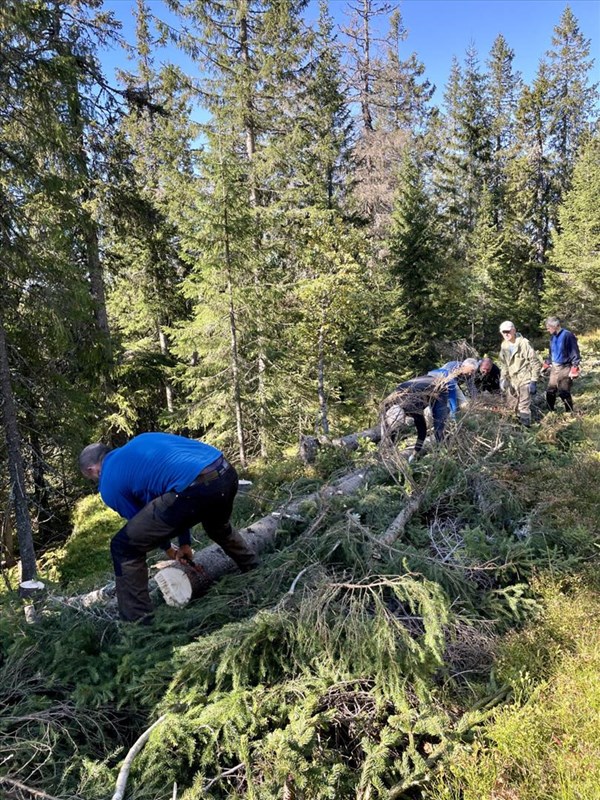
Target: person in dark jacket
{"x":487,"y":377}
{"x":561,"y":364}
{"x":435,"y":391}
{"x":410,"y":399}
{"x":163,"y":485}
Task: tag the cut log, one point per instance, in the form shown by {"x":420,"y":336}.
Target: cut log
{"x":179,"y":583}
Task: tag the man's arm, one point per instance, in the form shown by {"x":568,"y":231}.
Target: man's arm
{"x":572,"y":348}
{"x":535,"y":363}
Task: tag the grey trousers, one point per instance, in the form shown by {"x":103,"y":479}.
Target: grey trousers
{"x":518,"y":399}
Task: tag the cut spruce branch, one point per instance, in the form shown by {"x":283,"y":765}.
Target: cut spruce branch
{"x":26,"y":790}
{"x":126,"y":766}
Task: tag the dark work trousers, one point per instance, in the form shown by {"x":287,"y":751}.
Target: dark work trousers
{"x":439,"y":411}
{"x":559,"y":383}
{"x":209,"y":502}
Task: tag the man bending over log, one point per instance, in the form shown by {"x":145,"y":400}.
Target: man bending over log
{"x":437,"y":391}
{"x":163,"y":485}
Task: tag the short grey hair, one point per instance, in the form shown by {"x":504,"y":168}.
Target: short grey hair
{"x":92,"y":455}
{"x":553,"y":321}
{"x":470,"y":362}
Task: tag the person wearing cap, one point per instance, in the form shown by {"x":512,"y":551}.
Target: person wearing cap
{"x":519,"y":371}
{"x":163,"y":484}
{"x":432,"y":391}
{"x":562,"y":364}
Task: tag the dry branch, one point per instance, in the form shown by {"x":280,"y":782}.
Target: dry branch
{"x":21,"y":787}
{"x":126,"y":766}
{"x":396,"y":529}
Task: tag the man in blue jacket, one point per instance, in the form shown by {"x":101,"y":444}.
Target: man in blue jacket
{"x":562,"y":364}
{"x":163,"y":485}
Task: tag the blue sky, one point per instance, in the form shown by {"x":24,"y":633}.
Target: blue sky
{"x":441,"y":29}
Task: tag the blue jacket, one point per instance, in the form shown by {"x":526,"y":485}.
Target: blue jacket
{"x":451,"y":385}
{"x":149,"y":465}
{"x":564,"y":348}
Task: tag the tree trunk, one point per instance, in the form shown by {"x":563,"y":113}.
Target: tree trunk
{"x":164,"y":349}
{"x":180,"y":583}
{"x":321,"y":375}
{"x":15,"y":465}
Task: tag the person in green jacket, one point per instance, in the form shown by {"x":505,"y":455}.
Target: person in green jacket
{"x":520,"y":369}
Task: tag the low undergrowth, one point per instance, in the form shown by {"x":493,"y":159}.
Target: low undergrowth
{"x":453,"y":662}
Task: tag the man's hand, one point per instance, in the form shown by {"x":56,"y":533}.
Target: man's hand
{"x":504,"y":384}
{"x":546,"y":366}
{"x":171,"y":553}
{"x":574,"y":372}
{"x":532,"y":387}
{"x":184,"y":553}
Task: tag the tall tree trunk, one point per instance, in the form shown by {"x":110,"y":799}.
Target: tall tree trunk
{"x":321,"y":374}
{"x":235,"y":365}
{"x":254,"y":201}
{"x":15,"y":465}
{"x":164,"y":349}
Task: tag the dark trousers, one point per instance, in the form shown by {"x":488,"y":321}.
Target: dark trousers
{"x":439,"y":411}
{"x":559,"y":383}
{"x":170,"y":515}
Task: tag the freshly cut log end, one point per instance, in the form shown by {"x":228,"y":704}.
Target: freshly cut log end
{"x":180,"y":583}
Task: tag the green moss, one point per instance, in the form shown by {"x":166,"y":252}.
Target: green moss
{"x":86,"y":553}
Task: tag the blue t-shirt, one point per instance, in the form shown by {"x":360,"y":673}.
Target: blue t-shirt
{"x":148,"y":466}
{"x":443,"y":372}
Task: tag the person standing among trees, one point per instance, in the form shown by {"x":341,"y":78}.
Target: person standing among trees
{"x":562,"y":363}
{"x":519,"y":371}
{"x":163,"y":484}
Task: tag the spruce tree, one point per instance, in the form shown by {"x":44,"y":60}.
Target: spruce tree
{"x":573,"y":279}
{"x":420,"y":282}
{"x":572,"y":98}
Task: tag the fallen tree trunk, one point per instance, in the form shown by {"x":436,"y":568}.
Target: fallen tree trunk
{"x":180,"y":583}
{"x":309,"y":445}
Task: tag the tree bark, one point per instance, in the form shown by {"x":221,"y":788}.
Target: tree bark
{"x":15,"y":465}
{"x":181,"y":584}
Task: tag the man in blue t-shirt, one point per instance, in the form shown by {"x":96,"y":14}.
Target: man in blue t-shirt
{"x":562,"y":363}
{"x":163,"y":485}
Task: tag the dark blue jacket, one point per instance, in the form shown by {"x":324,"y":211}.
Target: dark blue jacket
{"x":564,"y":348}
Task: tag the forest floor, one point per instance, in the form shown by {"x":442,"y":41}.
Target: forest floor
{"x":456,"y":659}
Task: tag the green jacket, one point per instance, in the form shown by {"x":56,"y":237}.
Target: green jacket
{"x":523,"y":365}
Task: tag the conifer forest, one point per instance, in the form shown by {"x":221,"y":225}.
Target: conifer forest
{"x":254,"y":251}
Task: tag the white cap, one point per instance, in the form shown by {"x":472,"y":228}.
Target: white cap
{"x":507,"y":324}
